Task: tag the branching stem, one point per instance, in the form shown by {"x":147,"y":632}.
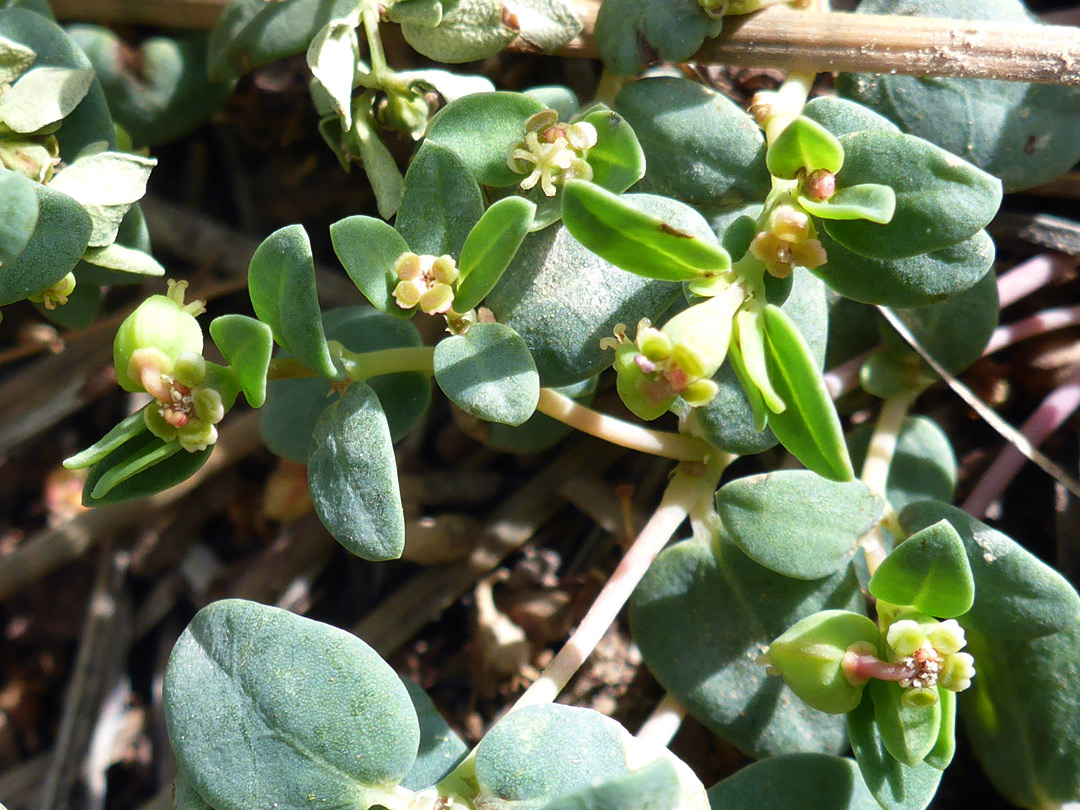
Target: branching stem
{"x":875,"y":471}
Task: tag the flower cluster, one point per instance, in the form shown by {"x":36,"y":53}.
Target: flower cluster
{"x":787,"y":242}
{"x":660,"y":369}
{"x":552,"y":152}
{"x":930,"y":651}
{"x":425,"y":281}
{"x":184,"y":409}
{"x":57,"y":294}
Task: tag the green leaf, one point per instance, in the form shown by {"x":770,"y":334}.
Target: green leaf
{"x":562,"y":299}
{"x":367,"y":248}
{"x":539,"y":432}
{"x":124,"y":259}
{"x":427,"y":219}
{"x":132,"y":234}
{"x":543,"y":751}
{"x":293,"y":407}
{"x":1016,"y":595}
{"x":489,"y":249}
{"x":842,"y":117}
{"x":617,"y":160}
{"x":425,"y":13}
{"x":869,"y":201}
{"x":1022,"y":712}
{"x":928,"y":571}
{"x":15,"y":58}
{"x":810,"y":654}
{"x":797,"y":523}
{"x":908,"y":733}
{"x":281,"y":283}
{"x":636,"y":241}
{"x":379,"y":165}
{"x":332,"y":58}
{"x":246,"y":344}
{"x":43,"y":96}
{"x":821,"y":781}
{"x":809,"y":427}
{"x":700,"y":146}
{"x":106,"y":184}
{"x":916,"y":281}
{"x":923,"y":466}
{"x":264,"y":707}
{"x":59,"y":239}
{"x":632,"y":33}
{"x":90,"y":122}
{"x":804,"y":146}
{"x":476,"y":29}
{"x":127,"y":429}
{"x":729,"y":422}
{"x":441,"y":749}
{"x":1023,"y":133}
{"x":171,"y":95}
{"x":253,"y":33}
{"x":941,"y":755}
{"x":656,"y":785}
{"x":139,"y":468}
{"x":954,"y":332}
{"x":940,"y":199}
{"x":18,"y":214}
{"x":184,"y":795}
{"x":352,"y":474}
{"x":896,"y":786}
{"x":481,"y":129}
{"x":489,"y":373}
{"x":556,"y":97}
{"x":704,"y":652}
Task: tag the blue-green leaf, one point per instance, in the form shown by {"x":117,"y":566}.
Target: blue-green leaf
{"x":441,"y":203}
{"x":281,"y":282}
{"x":489,"y":373}
{"x":352,"y":474}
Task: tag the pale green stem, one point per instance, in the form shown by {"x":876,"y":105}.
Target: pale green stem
{"x":875,"y":471}
{"x":365,"y":365}
{"x":609,"y":86}
{"x":655,"y":442}
{"x":663,"y":724}
{"x":369,"y":15}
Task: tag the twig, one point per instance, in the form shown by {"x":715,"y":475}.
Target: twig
{"x":663,"y":724}
{"x":1048,"y":417}
{"x":101,"y":648}
{"x":776,"y":37}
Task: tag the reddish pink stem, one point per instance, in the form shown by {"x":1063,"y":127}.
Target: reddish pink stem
{"x":859,"y":668}
{"x":1029,"y":276}
{"x":1046,"y":321}
{"x":1048,"y":417}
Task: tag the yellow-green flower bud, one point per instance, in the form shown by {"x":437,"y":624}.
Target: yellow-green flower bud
{"x":57,"y":294}
{"x":905,"y":637}
{"x":163,"y":324}
{"x":958,"y":670}
{"x":948,"y":637}
{"x":189,"y":369}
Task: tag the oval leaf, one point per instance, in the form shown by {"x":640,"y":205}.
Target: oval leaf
{"x":635,"y":241}
{"x":821,"y":782}
{"x":808,"y":427}
{"x":940,"y":199}
{"x":281,"y":283}
{"x":18,"y":214}
{"x":705,"y":653}
{"x":804,"y":146}
{"x":267,"y":708}
{"x":139,"y":468}
{"x":426,"y":218}
{"x":489,"y":373}
{"x":246,"y":344}
{"x":928,"y":571}
{"x":293,"y":407}
{"x":869,"y":201}
{"x":352,"y":474}
{"x":441,"y":749}
{"x":481,"y":129}
{"x":895,"y":785}
{"x":368,"y":248}
{"x":797,"y":523}
{"x":907,"y":732}
{"x":489,"y":249}
{"x":617,"y":160}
